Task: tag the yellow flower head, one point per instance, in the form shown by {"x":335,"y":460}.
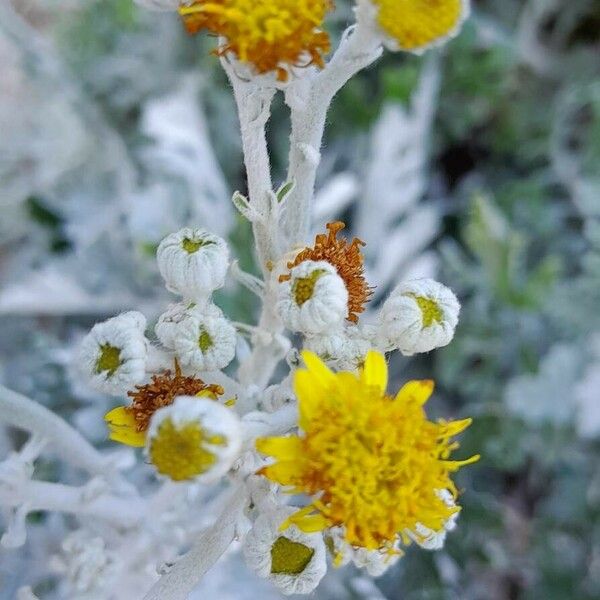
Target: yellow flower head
{"x":415,"y":25}
{"x":372,"y":463}
{"x":272,"y":35}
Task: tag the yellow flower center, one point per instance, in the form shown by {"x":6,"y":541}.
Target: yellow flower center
{"x":205,"y":342}
{"x":109,"y":360}
{"x":289,"y":558}
{"x":180,"y":452}
{"x":430,"y":310}
{"x":270,"y":34}
{"x":192,"y":246}
{"x":303,"y":288}
{"x":372,"y":463}
{"x":416,"y":24}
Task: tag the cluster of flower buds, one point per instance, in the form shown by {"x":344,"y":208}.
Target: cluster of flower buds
{"x":189,"y":432}
{"x":323,"y":290}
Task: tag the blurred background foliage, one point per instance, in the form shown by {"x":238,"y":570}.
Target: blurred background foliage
{"x":513,"y":168}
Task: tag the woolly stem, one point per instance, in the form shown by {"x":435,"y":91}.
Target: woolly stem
{"x":180,"y":581}
{"x":21,"y":412}
{"x":56,"y":497}
{"x":254,"y":109}
{"x":309,"y":103}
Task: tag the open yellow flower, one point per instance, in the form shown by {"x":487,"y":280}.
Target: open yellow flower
{"x":372,"y":463}
{"x":272,"y":35}
{"x":415,"y":25}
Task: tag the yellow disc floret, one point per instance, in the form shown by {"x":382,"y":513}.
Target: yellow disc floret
{"x":418,"y":24}
{"x":372,"y":463}
{"x":181,"y":452}
{"x":272,"y":35}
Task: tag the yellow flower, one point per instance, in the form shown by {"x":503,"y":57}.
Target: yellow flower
{"x":272,"y":35}
{"x":418,"y":24}
{"x":372,"y":463}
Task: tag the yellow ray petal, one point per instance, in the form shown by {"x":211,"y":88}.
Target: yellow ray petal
{"x":304,"y":520}
{"x":123,"y":428}
{"x":374,"y":371}
{"x":282,"y":448}
{"x":283,"y":472}
{"x":136,"y":439}
{"x":309,"y":396}
{"x":417,"y":391}
{"x":120,"y":416}
{"x":321,"y":375}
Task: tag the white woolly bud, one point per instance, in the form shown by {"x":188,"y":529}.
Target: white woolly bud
{"x":314,"y":299}
{"x":167,"y":325}
{"x":430,"y":539}
{"x":113,"y":354}
{"x":203,"y":339}
{"x":292,"y":560}
{"x":344,"y":349}
{"x":418,"y":316}
{"x":193,"y":263}
{"x":374,"y":562}
{"x":193,"y":439}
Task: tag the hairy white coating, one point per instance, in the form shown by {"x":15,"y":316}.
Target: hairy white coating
{"x":258,"y":545}
{"x":123,"y":336}
{"x":203,"y":339}
{"x":418,"y":316}
{"x":214,"y":419}
{"x":167,"y":325}
{"x":344,"y":349}
{"x":193,"y":263}
{"x":314,"y":300}
{"x":374,"y":562}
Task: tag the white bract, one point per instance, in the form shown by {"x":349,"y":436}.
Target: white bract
{"x":292,"y":560}
{"x":374,"y":562}
{"x":314,"y":299}
{"x":193,"y":263}
{"x":194,"y":438}
{"x":344,"y":349}
{"x":113,"y":354}
{"x":418,"y":316}
{"x":434,"y":540}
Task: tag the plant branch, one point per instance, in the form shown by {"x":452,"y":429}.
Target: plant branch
{"x":180,"y":581}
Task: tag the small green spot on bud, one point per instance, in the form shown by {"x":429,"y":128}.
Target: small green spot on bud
{"x":109,"y":359}
{"x":303,"y":288}
{"x":191,"y":246}
{"x":289,"y":558}
{"x":430,"y":310}
{"x":204,"y":341}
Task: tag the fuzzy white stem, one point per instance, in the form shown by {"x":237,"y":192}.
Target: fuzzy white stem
{"x":254,"y":109}
{"x":19,"y":411}
{"x":359,"y":47}
{"x":180,"y":581}
{"x":56,"y":497}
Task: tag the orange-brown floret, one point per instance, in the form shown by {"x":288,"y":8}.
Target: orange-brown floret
{"x":348,"y":260}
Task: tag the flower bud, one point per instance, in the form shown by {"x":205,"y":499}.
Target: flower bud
{"x":193,"y":439}
{"x":292,"y":560}
{"x":314,"y":299}
{"x":193,"y":263}
{"x":418,"y":316}
{"x":113,"y":354}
